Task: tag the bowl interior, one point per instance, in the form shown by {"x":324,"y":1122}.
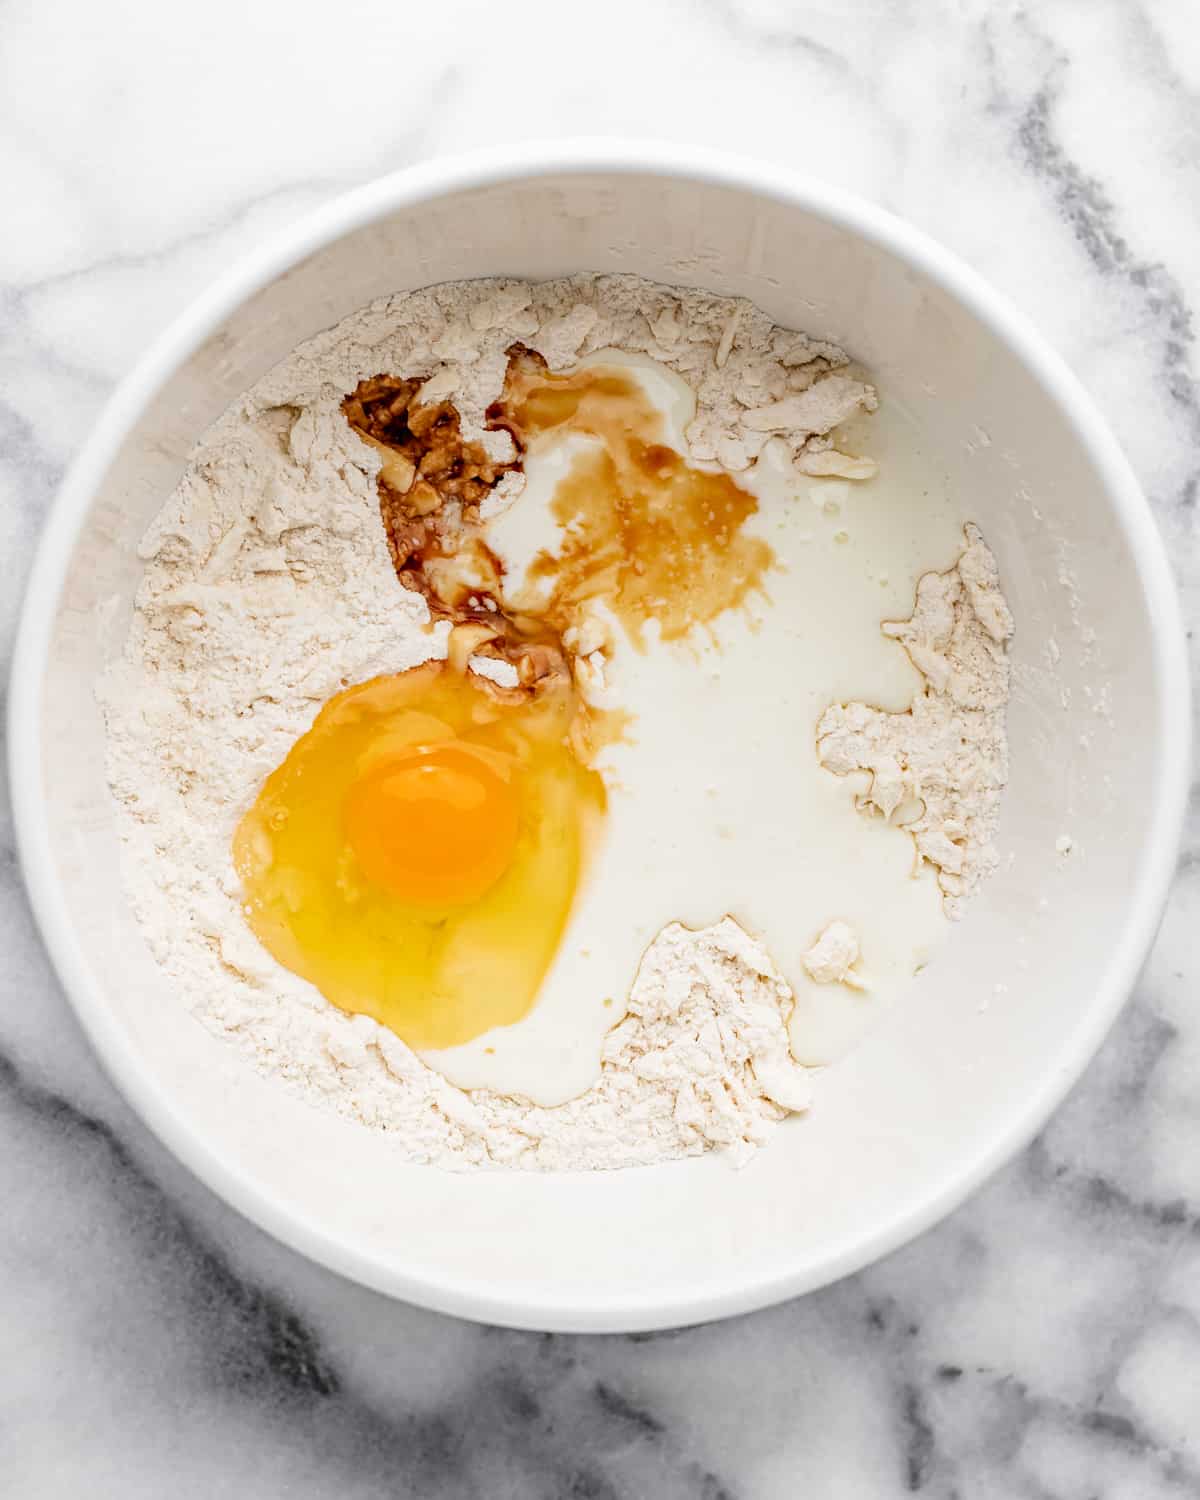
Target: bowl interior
{"x":954,"y":1078}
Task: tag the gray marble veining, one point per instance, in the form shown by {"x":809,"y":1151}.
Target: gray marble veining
{"x":1042,"y":1342}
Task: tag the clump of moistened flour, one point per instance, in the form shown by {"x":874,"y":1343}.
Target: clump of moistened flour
{"x":946,"y":757}
{"x":268,"y":587}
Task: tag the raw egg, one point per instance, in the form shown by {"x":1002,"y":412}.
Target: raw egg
{"x":417,"y":854}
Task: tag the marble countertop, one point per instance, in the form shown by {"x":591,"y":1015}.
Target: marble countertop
{"x":1042,"y":1342}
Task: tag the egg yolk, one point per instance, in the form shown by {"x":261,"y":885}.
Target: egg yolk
{"x":416,"y":855}
{"x":435,"y":825}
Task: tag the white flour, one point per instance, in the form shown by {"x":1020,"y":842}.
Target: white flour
{"x":946,"y":758}
{"x":268,"y":587}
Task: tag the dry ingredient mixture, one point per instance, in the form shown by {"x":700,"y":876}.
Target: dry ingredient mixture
{"x":270,"y":584}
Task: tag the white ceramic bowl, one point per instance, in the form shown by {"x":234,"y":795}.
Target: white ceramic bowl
{"x":963,"y":1073}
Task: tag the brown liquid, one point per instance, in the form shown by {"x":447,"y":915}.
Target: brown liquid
{"x":431,"y":479}
{"x":652,"y":536}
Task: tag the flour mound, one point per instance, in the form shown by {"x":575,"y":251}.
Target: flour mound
{"x":700,"y":1060}
{"x":949,"y":751}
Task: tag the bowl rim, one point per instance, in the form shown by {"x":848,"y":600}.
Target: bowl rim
{"x":479,"y":1298}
